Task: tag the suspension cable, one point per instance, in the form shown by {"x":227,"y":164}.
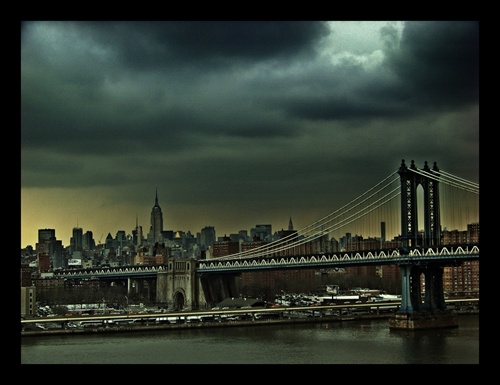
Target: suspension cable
{"x":454,"y":182}
{"x":319,"y":224}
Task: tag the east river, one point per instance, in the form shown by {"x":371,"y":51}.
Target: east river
{"x":349,"y":342}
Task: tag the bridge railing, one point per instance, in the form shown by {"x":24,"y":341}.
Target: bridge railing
{"x":317,"y":260}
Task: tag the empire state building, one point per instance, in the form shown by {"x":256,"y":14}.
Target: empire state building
{"x":156,"y":230}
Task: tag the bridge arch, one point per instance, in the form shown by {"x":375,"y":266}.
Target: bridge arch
{"x":179,"y":299}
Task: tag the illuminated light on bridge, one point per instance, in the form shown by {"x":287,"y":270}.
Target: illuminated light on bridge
{"x":381,"y":257}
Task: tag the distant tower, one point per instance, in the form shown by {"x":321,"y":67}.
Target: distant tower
{"x":207,"y":237}
{"x":156,"y":223}
{"x":290,"y":224}
{"x":77,"y":239}
{"x":46,"y":235}
{"x":137,"y":233}
{"x":49,"y":245}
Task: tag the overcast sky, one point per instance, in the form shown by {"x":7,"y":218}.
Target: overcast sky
{"x":234,"y":123}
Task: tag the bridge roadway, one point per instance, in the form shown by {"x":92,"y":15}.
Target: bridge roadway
{"x":448,"y":255}
{"x":184,"y":315}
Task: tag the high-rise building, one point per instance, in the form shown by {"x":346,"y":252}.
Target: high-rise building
{"x":43,"y":263}
{"x":156,"y":229}
{"x":77,"y":240}
{"x":207,"y":237}
{"x":225,"y":247}
{"x":49,"y":245}
{"x":25,"y":275}
{"x":463,"y":279}
{"x":46,"y":235}
{"x":264,"y":232}
{"x":287,"y":237}
{"x":88,"y":241}
{"x":137,"y":233}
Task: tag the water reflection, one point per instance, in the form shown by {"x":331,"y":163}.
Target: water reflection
{"x":355,"y":342}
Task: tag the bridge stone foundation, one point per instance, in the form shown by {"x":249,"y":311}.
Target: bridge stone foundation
{"x":415,"y":314}
{"x":423,"y":320}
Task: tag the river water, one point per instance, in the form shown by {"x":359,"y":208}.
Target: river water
{"x":351,"y":342}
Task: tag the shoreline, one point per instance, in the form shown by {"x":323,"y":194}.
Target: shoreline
{"x":199,"y":325}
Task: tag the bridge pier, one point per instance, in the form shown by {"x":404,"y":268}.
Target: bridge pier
{"x":423,"y":320}
{"x":432,"y":313}
{"x":413,"y":314}
{"x":434,"y":295}
{"x":406,"y":306}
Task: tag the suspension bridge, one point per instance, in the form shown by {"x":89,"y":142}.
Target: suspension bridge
{"x":401,"y":201}
{"x":409,"y":219}
{"x":390,"y":219}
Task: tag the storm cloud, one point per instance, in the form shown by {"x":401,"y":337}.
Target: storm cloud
{"x":234,"y":123}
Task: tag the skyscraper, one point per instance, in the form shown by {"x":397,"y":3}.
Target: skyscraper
{"x":137,"y":233}
{"x":156,"y":229}
{"x":77,"y":240}
{"x":49,"y":245}
{"x":207,"y":237}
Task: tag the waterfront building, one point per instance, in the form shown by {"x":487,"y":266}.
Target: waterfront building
{"x":28,"y":301}
{"x":461,"y":280}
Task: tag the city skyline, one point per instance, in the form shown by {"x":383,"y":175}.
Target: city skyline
{"x":235,"y":123}
{"x":390,"y":232}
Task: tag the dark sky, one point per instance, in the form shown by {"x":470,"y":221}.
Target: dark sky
{"x":234,"y":123}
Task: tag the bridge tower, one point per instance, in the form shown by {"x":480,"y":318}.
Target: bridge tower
{"x":413,"y":313}
{"x":178,"y":287}
{"x":410,"y":181}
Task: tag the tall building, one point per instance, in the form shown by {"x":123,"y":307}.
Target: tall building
{"x":137,"y":233}
{"x":46,"y":235}
{"x":121,"y":240}
{"x":156,"y":229}
{"x":77,"y":240}
{"x":264,"y":232}
{"x":43,"y":263}
{"x":462,"y":279}
{"x":88,"y":241}
{"x":287,"y":237}
{"x":225,"y":247}
{"x":207,"y":237}
{"x":25,"y":275}
{"x":49,"y":245}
